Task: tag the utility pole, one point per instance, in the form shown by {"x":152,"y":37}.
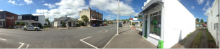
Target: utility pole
{"x":118,"y":18}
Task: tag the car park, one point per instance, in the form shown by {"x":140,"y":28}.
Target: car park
{"x":30,"y":27}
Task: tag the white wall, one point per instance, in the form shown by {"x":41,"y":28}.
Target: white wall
{"x":176,"y":19}
{"x":41,"y":19}
{"x":56,"y":23}
{"x":212,"y":19}
{"x":19,"y":17}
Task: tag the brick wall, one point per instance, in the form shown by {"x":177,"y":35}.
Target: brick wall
{"x":10,"y":22}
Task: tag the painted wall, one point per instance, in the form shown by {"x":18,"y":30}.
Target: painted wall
{"x":212,"y":20}
{"x":85,"y":12}
{"x":56,"y":23}
{"x":41,"y":19}
{"x":19,"y":17}
{"x":177,"y":22}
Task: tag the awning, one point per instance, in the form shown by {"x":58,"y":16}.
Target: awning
{"x":151,"y":4}
{"x":28,"y":21}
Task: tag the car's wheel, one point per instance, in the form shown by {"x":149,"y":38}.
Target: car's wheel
{"x":36,"y":29}
{"x":25,"y":29}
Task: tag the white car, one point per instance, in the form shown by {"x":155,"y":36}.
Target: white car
{"x":30,"y":27}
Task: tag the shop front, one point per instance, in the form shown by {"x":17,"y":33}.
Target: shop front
{"x":163,"y":25}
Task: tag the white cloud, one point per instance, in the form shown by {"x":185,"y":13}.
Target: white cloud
{"x":70,"y":8}
{"x":28,"y":1}
{"x":1,"y":10}
{"x":200,"y":1}
{"x":128,"y":1}
{"x":111,"y":6}
{"x":20,"y":4}
{"x":12,"y":1}
{"x":49,"y":5}
{"x":192,"y":7}
{"x":41,"y":11}
{"x":207,"y":11}
{"x":109,"y":17}
{"x":207,"y":8}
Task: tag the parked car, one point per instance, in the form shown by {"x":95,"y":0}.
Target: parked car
{"x":95,"y":25}
{"x":120,"y":24}
{"x":30,"y":27}
{"x":204,"y":25}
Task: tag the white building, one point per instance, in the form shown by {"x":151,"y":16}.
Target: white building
{"x":29,"y":17}
{"x":166,"y":21}
{"x":213,"y":22}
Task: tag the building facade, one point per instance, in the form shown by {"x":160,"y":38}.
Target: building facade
{"x":31,"y":19}
{"x":213,"y":21}
{"x":69,"y":22}
{"x":164,"y":25}
{"x":93,"y":16}
{"x":7,"y":19}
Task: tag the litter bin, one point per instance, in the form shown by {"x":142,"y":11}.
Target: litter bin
{"x":160,"y":45}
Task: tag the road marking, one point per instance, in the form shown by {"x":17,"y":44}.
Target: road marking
{"x":82,"y":40}
{"x":20,"y":45}
{"x":27,"y":46}
{"x":109,"y":41}
{"x":2,"y":39}
{"x":106,"y":30}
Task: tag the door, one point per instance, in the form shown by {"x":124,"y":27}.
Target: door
{"x":145,"y":29}
{"x":70,"y":24}
{"x":31,"y":27}
{"x":1,"y":23}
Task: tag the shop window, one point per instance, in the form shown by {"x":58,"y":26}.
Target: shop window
{"x":216,"y":26}
{"x":155,"y":23}
{"x":1,"y":23}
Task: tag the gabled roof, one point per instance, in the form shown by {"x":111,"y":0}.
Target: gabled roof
{"x":64,"y":19}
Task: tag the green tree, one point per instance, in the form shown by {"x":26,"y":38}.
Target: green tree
{"x":115,"y":19}
{"x":21,"y":23}
{"x":139,"y":16}
{"x":201,"y":21}
{"x":197,"y":19}
{"x":135,"y":17}
{"x":85,"y":19}
{"x":48,"y":21}
{"x":105,"y":20}
{"x":63,"y":24}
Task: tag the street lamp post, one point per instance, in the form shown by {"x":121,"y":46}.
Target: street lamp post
{"x":118,"y":19}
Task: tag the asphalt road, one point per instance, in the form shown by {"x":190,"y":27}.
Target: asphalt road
{"x":86,"y":37}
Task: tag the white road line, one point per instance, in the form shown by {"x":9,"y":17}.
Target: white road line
{"x":109,"y":41}
{"x":27,"y":46}
{"x":20,"y":45}
{"x":82,"y":40}
{"x":106,"y":30}
{"x":2,"y":39}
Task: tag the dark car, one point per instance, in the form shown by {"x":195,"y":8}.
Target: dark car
{"x":95,"y":25}
{"x":120,"y":24}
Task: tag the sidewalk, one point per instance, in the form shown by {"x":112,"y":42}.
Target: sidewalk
{"x":129,"y":39}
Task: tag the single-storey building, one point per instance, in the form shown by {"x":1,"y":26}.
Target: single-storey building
{"x":70,"y":22}
{"x":212,"y":23}
{"x":165,"y":22}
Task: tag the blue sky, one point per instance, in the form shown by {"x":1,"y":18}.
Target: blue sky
{"x":57,"y":8}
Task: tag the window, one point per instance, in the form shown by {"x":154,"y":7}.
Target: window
{"x":2,"y":16}
{"x":155,"y":22}
{"x":216,"y":26}
{"x":1,"y":23}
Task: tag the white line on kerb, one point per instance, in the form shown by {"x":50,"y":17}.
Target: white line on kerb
{"x":88,"y":43}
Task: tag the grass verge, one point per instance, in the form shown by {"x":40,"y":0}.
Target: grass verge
{"x":210,"y":40}
{"x":197,"y":40}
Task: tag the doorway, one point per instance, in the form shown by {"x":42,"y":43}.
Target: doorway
{"x":69,"y":24}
